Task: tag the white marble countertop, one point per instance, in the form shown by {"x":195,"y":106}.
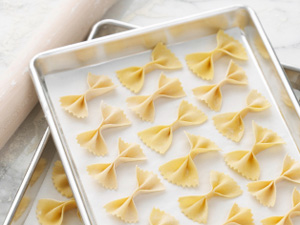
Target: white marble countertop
{"x":280,"y":18}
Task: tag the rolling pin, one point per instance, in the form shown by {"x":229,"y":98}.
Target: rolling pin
{"x":70,"y":23}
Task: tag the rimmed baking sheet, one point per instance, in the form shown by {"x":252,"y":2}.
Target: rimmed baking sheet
{"x":73,"y":81}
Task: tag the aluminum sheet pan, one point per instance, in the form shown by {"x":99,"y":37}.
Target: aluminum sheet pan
{"x":77,"y":58}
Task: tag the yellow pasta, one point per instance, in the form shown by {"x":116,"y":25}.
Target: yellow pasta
{"x":202,"y":64}
{"x":212,"y":95}
{"x":60,"y":180}
{"x":239,"y":216}
{"x":143,"y":106}
{"x":244,"y":162}
{"x":105,"y":173}
{"x":196,"y":207}
{"x":158,"y":217}
{"x":286,"y":219}
{"x":77,"y":104}
{"x":162,"y":58}
{"x":159,"y":138}
{"x":51,"y":212}
{"x":93,"y":140}
{"x":125,"y":208}
{"x":182,"y":171}
{"x":231,"y":124}
{"x":265,"y":191}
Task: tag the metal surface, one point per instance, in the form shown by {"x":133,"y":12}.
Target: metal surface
{"x":131,"y":42}
{"x":293,"y":75}
{"x":108,"y":27}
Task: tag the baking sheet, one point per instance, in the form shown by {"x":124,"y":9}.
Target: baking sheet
{"x":234,"y":97}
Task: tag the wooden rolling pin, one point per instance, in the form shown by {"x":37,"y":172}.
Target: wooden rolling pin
{"x":70,"y":23}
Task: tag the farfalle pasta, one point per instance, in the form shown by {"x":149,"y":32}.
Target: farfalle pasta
{"x":196,"y":207}
{"x":202,"y":63}
{"x":212,"y":95}
{"x":158,"y":217}
{"x":125,"y":209}
{"x":244,"y":162}
{"x":77,"y":104}
{"x":159,"y":138}
{"x":162,"y":58}
{"x":231,"y":124}
{"x":265,"y":191}
{"x":51,"y":212}
{"x":93,"y":140}
{"x":60,"y":180}
{"x":183,"y":171}
{"x":105,"y":173}
{"x":143,"y":106}
{"x":239,"y":216}
{"x":286,"y":219}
